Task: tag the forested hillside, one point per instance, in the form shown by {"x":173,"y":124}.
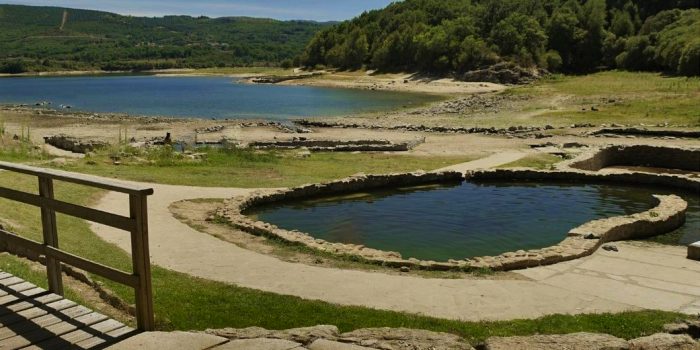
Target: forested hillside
{"x":454,"y":36}
{"x":38,"y":39}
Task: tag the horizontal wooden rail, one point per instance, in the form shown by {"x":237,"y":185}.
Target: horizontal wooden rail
{"x":80,"y":179}
{"x":136,"y":223}
{"x":73,"y":260}
{"x":94,"y":215}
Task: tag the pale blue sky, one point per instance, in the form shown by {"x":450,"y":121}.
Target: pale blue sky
{"x":319,"y":10}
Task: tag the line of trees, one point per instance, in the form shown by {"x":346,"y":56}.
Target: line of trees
{"x":443,"y":36}
{"x":31,"y":40}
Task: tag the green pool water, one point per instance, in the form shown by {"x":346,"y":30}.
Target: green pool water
{"x":467,"y":219}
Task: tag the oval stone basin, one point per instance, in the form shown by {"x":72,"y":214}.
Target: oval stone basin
{"x":468,"y":219}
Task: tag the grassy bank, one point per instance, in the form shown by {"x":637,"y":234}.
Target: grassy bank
{"x":542,"y":161}
{"x":619,"y":97}
{"x":245,"y":168}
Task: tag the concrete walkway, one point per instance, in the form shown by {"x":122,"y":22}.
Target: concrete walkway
{"x":634,"y":278}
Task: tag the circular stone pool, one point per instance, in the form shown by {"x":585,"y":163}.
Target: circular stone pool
{"x":467,"y":219}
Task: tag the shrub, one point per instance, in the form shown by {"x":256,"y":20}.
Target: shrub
{"x":13,"y":67}
{"x":689,"y":63}
{"x":553,"y":61}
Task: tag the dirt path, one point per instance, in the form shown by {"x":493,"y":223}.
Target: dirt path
{"x":636,"y":277}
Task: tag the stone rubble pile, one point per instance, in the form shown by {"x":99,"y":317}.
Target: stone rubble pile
{"x":478,"y":103}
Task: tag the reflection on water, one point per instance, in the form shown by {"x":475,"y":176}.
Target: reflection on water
{"x":468,"y":219}
{"x":210,"y":97}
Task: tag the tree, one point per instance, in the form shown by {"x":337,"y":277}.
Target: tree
{"x":638,"y":54}
{"x":565,"y":35}
{"x":590,"y":51}
{"x":13,"y":67}
{"x":519,"y":35}
{"x":473,"y":52}
{"x":621,"y":24}
{"x":433,"y":50}
{"x":689,"y":63}
{"x":553,"y":61}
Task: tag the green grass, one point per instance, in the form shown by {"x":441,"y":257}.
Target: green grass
{"x":649,"y":98}
{"x":183,"y":302}
{"x":19,"y":151}
{"x":244,"y":168}
{"x":536,"y":161}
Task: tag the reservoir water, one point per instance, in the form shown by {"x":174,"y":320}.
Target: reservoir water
{"x":468,"y":219}
{"x":206,"y":97}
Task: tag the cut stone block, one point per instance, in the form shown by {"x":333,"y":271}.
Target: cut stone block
{"x":694,"y":251}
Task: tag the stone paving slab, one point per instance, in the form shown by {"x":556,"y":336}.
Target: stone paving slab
{"x":173,"y":340}
{"x":323,"y":344}
{"x":260,"y":344}
{"x":694,"y":251}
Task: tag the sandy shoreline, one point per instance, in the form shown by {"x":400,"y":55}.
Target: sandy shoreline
{"x":400,"y":82}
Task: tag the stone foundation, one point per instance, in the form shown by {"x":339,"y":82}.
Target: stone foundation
{"x":339,"y":145}
{"x":644,"y":156}
{"x":647,"y":132}
{"x":694,"y":251}
{"x":668,"y":215}
{"x":73,"y":144}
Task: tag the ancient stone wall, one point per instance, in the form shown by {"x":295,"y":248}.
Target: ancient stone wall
{"x":641,"y":155}
{"x":340,"y":145}
{"x":647,"y":132}
{"x":694,"y":251}
{"x":73,"y":144}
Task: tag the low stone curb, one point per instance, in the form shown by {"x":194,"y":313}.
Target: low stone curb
{"x":694,"y":251}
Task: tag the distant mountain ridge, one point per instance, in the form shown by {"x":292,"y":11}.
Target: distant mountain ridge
{"x":38,"y":38}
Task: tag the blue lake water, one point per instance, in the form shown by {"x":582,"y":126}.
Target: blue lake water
{"x":467,"y":219}
{"x":207,"y":97}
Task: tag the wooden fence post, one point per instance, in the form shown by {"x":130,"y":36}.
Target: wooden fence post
{"x":48,"y":223}
{"x":141,"y":259}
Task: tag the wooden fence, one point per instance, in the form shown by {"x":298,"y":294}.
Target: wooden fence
{"x":136,"y":224}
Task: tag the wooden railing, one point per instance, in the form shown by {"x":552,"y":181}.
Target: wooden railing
{"x":136,"y":224}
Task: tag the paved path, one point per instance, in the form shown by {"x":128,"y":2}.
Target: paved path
{"x":491,"y":161}
{"x":655,"y":278}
